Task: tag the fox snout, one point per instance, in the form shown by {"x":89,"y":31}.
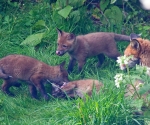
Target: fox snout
{"x":60,"y":53}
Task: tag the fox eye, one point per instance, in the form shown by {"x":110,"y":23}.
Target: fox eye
{"x":64,"y":46}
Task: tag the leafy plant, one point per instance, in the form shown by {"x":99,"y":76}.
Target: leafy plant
{"x":30,"y":30}
{"x":136,"y":88}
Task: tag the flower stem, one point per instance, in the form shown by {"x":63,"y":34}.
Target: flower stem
{"x":132,"y":83}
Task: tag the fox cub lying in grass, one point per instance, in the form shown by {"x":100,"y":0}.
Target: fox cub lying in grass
{"x":15,"y":68}
{"x":83,"y":46}
{"x":78,"y":88}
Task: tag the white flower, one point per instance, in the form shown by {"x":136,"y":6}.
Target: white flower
{"x":126,"y":62}
{"x":123,"y":61}
{"x":118,"y":80}
{"x":148,"y":71}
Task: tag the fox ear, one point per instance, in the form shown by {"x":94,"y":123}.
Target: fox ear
{"x":135,"y":44}
{"x":62,"y":65}
{"x":134,"y":36}
{"x":71,"y":36}
{"x":59,"y":32}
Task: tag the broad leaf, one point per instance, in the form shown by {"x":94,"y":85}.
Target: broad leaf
{"x":65,"y":11}
{"x":112,"y":13}
{"x":144,"y":89}
{"x":104,"y":4}
{"x":137,"y":104}
{"x":40,"y":23}
{"x":75,"y":16}
{"x":33,"y":40}
{"x":112,"y":1}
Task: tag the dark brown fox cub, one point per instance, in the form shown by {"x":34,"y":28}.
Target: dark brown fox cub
{"x":83,"y":46}
{"x":15,"y":68}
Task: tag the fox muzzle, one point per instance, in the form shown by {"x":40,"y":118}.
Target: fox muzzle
{"x":60,"y":53}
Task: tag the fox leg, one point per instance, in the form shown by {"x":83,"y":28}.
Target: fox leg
{"x":101,"y":59}
{"x":5,"y":87}
{"x":80,"y":65}
{"x":71,"y":64}
{"x":16,"y":84}
{"x":37,"y":81}
{"x":33,"y":91}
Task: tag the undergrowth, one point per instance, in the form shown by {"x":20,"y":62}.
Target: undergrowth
{"x":106,"y":108}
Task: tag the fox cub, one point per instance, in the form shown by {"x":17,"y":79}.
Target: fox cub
{"x":83,"y":46}
{"x":78,"y":88}
{"x":15,"y":68}
{"x":140,"y":49}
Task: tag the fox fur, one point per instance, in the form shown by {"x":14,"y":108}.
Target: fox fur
{"x":15,"y":68}
{"x":83,"y":46}
{"x":130,"y":91}
{"x":140,"y":49}
{"x":79,"y":88}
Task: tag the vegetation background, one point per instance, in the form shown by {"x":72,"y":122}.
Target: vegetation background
{"x":28,"y":27}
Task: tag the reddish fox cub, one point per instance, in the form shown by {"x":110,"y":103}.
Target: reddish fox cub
{"x":15,"y":68}
{"x":79,"y":88}
{"x":83,"y":46}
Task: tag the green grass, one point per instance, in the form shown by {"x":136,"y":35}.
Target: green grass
{"x":106,"y":108}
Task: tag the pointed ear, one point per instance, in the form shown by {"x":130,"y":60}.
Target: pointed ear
{"x":62,"y":65}
{"x":134,"y":36}
{"x":59,"y":32}
{"x":135,"y":44}
{"x":71,"y":36}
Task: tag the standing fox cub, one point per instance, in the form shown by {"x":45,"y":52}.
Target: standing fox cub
{"x":79,"y":88}
{"x":15,"y":68}
{"x":83,"y":46}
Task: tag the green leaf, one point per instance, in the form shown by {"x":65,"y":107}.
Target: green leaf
{"x":57,"y":18}
{"x":135,"y":77}
{"x":33,"y":40}
{"x":141,"y":69}
{"x":112,"y":1}
{"x":117,"y":13}
{"x":104,"y":4}
{"x":146,"y":27}
{"x":145,"y":88}
{"x":65,"y":11}
{"x":75,"y":16}
{"x":40,"y":23}
{"x":112,"y":13}
{"x":77,"y":3}
{"x":137,"y":104}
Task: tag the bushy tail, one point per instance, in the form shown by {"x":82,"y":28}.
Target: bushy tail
{"x":120,"y":37}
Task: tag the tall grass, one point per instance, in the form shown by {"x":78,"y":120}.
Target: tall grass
{"x":106,"y":108}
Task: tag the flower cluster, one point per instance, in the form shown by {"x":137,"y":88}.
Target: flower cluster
{"x":123,"y":61}
{"x":148,"y":71}
{"x":118,"y":79}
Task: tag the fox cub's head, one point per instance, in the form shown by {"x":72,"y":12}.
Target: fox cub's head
{"x":64,"y":90}
{"x":65,"y":42}
{"x":134,"y":46}
{"x":134,"y":49}
{"x":61,"y":74}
